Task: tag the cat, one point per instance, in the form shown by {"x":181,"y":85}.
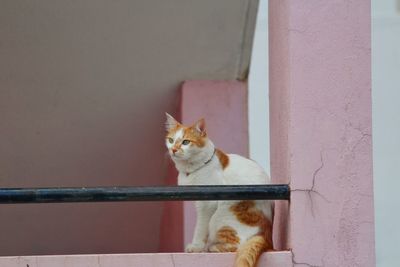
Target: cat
{"x":222,"y":226}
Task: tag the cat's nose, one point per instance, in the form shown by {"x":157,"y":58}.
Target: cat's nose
{"x":174,"y":150}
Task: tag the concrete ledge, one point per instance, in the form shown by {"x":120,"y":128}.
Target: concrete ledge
{"x":269,"y":259}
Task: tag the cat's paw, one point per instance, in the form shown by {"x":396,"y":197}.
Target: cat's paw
{"x":195,"y":247}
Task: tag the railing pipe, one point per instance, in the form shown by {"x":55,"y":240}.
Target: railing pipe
{"x":161,"y":193}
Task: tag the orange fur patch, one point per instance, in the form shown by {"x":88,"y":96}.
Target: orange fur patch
{"x":223,"y":248}
{"x":189,"y":133}
{"x":227,"y":240}
{"x":194,"y":136}
{"x":266,"y":232}
{"x":250,"y":252}
{"x":227,"y":235}
{"x":246,"y":212}
{"x":223,"y":158}
{"x":171,"y":133}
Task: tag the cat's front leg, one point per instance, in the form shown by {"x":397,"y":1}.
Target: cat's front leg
{"x":205,"y":209}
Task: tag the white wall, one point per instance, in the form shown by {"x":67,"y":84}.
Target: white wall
{"x":258,"y":91}
{"x":386,"y":128}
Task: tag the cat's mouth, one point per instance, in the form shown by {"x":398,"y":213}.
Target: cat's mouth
{"x":176,"y":156}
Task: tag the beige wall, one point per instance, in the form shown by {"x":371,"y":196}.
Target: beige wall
{"x":83,"y":90}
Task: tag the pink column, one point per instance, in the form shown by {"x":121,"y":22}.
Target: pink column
{"x":321,"y":129}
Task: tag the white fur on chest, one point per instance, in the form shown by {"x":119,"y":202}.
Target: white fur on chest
{"x":209,"y":174}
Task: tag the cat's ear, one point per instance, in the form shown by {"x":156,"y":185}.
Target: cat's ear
{"x":200,"y":126}
{"x":170,"y":123}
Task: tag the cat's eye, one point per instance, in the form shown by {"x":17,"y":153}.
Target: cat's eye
{"x":185,"y":142}
{"x":170,"y":140}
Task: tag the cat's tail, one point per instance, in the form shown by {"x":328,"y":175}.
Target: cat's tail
{"x":249,"y":252}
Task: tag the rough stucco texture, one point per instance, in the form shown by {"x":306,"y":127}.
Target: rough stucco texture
{"x":328,"y":116}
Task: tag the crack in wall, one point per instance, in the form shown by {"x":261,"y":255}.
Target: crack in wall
{"x":359,"y":141}
{"x":366,"y":222}
{"x":297,"y":30}
{"x":295,"y":263}
{"x":312,"y":189}
{"x":173,"y":260}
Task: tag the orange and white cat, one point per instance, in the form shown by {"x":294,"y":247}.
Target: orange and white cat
{"x":221,"y":226}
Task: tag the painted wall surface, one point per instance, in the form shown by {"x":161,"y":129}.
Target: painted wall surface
{"x":269,"y":259}
{"x":321,"y":124}
{"x":386,"y":128}
{"x":83,"y":90}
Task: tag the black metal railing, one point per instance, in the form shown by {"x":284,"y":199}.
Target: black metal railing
{"x":162,"y":193}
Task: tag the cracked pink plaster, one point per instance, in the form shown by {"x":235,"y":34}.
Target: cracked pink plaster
{"x":321,"y":129}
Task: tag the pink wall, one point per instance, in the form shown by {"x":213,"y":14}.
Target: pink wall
{"x":321,"y":128}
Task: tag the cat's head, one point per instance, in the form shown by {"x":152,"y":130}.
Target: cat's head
{"x":182,"y":141}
